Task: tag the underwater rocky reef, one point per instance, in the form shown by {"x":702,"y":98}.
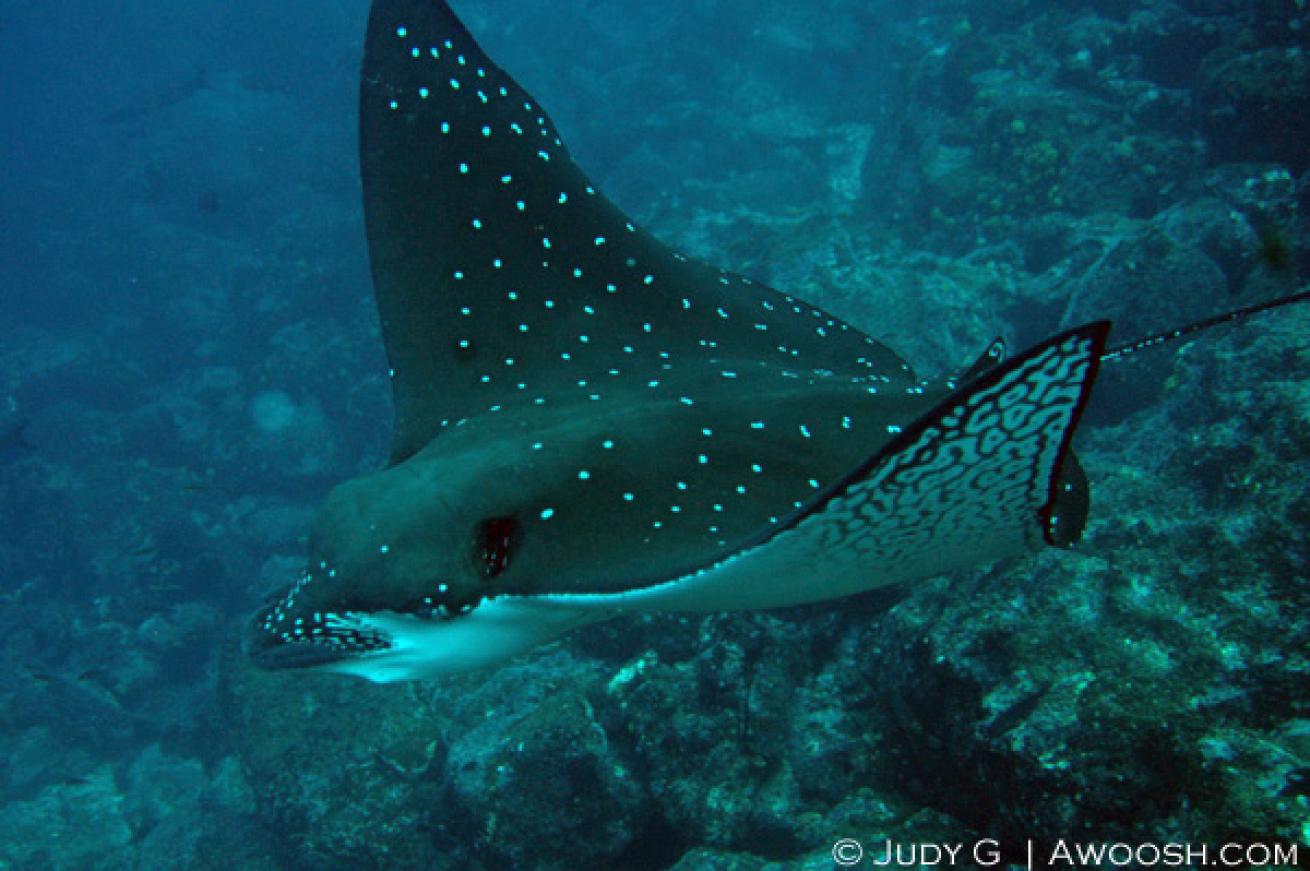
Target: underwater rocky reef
{"x":939,"y":173}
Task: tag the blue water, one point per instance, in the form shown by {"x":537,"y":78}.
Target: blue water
{"x":190,"y":360}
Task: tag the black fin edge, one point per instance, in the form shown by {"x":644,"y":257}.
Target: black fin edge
{"x":1098,"y":332}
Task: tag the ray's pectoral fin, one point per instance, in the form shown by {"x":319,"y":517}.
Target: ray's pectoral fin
{"x":983,"y":474}
{"x":987,"y":473}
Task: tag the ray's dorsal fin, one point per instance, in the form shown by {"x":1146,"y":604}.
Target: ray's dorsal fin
{"x":989,"y":359}
{"x":503,"y":276}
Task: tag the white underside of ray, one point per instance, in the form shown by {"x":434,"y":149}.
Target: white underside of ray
{"x":494,"y":632}
{"x":963,"y":490}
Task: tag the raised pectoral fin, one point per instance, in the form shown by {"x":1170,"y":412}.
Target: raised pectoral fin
{"x":976,"y":478}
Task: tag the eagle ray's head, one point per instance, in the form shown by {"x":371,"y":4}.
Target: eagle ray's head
{"x":409,"y":577}
{"x":396,"y":548}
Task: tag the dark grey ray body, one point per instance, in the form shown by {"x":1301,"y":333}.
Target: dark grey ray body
{"x":586,"y":418}
{"x":483,"y":231}
{"x":537,"y":300}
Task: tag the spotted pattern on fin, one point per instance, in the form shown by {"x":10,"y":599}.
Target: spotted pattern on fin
{"x":504,"y":278}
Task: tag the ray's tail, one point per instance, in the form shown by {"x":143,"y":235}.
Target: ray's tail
{"x":1120,"y":351}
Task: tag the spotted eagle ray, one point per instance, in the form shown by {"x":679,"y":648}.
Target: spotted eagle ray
{"x":589,"y":424}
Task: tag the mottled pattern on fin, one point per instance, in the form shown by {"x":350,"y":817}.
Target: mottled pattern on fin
{"x":503,"y":277}
{"x":974,"y":479}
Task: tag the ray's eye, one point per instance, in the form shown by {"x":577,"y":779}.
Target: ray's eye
{"x":495,"y":541}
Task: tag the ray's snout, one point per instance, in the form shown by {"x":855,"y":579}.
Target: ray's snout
{"x":268,"y":649}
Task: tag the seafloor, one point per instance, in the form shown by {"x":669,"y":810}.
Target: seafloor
{"x":192,"y":360}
